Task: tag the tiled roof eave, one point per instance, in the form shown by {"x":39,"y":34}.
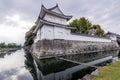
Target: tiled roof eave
{"x":55,"y":24}
{"x":44,"y":10}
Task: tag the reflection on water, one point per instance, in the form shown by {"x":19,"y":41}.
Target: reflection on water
{"x":20,"y":65}
{"x":2,"y":54}
{"x":12,"y":66}
{"x":29,"y":62}
{"x":56,"y":69}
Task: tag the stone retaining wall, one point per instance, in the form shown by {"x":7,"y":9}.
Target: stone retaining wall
{"x":46,"y":48}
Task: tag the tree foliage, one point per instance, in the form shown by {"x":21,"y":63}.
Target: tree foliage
{"x":99,"y":30}
{"x":83,"y":25}
{"x":9,"y":45}
{"x":2,"y":45}
{"x":29,"y":37}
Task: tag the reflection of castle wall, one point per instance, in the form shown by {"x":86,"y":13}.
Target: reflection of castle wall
{"x":64,"y":47}
{"x":29,"y":64}
{"x":92,"y":56}
{"x":53,"y":69}
{"x":54,"y":65}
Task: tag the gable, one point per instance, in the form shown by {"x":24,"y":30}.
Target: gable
{"x":57,"y":10}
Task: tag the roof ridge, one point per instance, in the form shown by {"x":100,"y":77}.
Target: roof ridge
{"x":56,"y":6}
{"x":55,"y":12}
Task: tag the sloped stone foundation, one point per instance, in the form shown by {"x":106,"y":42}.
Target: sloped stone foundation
{"x":53,"y":48}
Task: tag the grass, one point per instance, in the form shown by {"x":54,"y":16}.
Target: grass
{"x":110,"y":72}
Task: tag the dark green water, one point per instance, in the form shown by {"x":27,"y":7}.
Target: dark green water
{"x":20,"y":65}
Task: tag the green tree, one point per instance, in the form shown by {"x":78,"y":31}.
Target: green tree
{"x":29,"y":37}
{"x":99,"y":30}
{"x":75,"y":23}
{"x":9,"y":45}
{"x":12,"y":45}
{"x":83,"y":25}
{"x":2,"y":45}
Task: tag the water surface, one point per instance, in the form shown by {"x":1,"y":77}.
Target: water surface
{"x":12,"y":66}
{"x":20,"y":65}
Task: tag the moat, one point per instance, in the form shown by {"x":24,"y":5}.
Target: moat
{"x":20,"y":65}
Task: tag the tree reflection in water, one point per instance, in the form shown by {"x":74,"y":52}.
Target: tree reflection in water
{"x":29,"y":64}
{"x":3,"y":54}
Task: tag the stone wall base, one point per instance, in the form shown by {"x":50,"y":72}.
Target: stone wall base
{"x":47,"y":48}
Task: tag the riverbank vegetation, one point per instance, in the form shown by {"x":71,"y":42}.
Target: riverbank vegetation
{"x":84,"y":26}
{"x":9,"y":46}
{"x":29,"y":37}
{"x":109,"y":72}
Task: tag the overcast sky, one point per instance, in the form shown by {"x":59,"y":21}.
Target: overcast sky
{"x":17,"y":16}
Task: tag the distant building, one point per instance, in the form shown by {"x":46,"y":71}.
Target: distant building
{"x":112,"y":36}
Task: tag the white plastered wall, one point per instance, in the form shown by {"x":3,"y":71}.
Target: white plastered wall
{"x":55,"y":19}
{"x":52,"y":32}
{"x":59,"y":33}
{"x":87,"y":38}
{"x":48,"y":32}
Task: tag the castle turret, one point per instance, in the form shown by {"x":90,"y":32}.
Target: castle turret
{"x":52,"y":24}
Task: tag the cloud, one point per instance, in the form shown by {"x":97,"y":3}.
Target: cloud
{"x":12,"y":67}
{"x":14,"y":28}
{"x":16,"y":21}
{"x":101,"y":12}
{"x":19,"y":15}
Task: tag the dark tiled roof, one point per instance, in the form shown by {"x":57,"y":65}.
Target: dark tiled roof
{"x":55,"y":7}
{"x":54,"y":13}
{"x":44,"y":11}
{"x":113,"y":33}
{"x":53,"y":24}
{"x":56,"y":24}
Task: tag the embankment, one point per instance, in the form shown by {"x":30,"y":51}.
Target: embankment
{"x":49,"y":48}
